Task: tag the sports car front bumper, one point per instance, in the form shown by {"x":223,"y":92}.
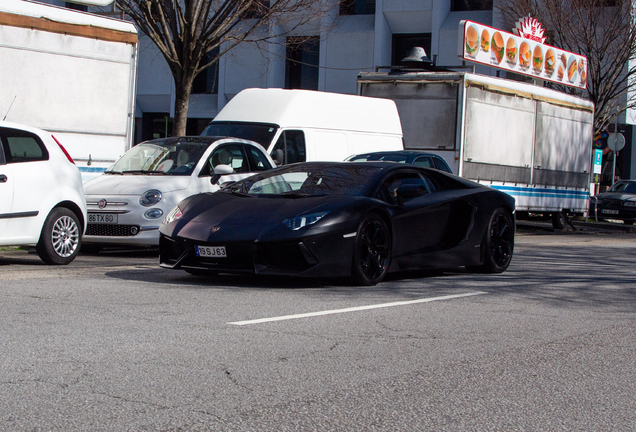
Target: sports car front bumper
{"x":325,"y":255}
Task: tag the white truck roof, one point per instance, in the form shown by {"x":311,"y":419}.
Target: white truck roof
{"x":64,"y":15}
{"x":313,"y":109}
{"x":528,"y":88}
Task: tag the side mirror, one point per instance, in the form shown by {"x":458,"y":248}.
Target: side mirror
{"x":220,"y":170}
{"x":409,"y":191}
{"x":279,"y":157}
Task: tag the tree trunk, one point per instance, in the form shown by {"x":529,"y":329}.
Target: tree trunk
{"x":183,"y":88}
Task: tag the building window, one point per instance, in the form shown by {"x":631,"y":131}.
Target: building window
{"x":303,"y":58}
{"x":256,"y":10}
{"x":155,"y":125}
{"x":471,"y":5}
{"x":357,"y":7}
{"x":404,"y":43}
{"x":208,"y":80}
{"x":75,"y":6}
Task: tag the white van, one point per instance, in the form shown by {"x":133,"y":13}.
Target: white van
{"x":304,"y":125}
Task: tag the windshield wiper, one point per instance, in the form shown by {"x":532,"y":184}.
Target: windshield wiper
{"x":151,"y":172}
{"x":237,"y":192}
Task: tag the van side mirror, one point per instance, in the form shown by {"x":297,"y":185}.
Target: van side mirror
{"x":220,"y":170}
{"x":279,"y":157}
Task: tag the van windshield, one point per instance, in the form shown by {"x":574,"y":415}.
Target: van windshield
{"x":262,"y":133}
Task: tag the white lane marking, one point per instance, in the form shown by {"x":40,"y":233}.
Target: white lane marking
{"x":354,"y":309}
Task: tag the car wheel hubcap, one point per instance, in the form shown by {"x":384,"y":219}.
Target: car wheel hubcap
{"x":65,"y":236}
{"x":374,"y":250}
{"x":501,"y":240}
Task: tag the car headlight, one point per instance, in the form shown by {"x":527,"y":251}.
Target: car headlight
{"x":629,"y":204}
{"x":153,"y":213}
{"x":298,"y":222}
{"x":174,"y":215}
{"x":150,"y":197}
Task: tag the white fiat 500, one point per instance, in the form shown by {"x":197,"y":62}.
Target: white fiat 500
{"x":41,"y":196}
{"x":128,"y":202}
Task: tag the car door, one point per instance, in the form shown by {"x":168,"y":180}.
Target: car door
{"x":419,"y":222}
{"x":6,"y":190}
{"x":30,"y":176}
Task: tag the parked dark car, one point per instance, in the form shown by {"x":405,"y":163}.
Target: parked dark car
{"x":618,"y":202}
{"x":412,"y":157}
{"x":331,"y":219}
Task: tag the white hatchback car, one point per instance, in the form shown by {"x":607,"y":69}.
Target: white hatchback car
{"x":41,"y":195}
{"x":128,"y":202}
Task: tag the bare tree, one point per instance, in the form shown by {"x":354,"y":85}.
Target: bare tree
{"x":604,"y":32}
{"x":187,"y":31}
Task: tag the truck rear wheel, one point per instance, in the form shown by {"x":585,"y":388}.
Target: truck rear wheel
{"x":559,"y":219}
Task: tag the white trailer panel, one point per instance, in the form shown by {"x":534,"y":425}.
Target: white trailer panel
{"x":71,"y":73}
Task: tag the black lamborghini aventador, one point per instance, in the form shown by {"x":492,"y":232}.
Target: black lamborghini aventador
{"x":326,"y":219}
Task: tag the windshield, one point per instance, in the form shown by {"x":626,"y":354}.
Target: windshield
{"x":161,"y":157}
{"x":260,"y":132}
{"x":304,"y":180}
{"x":625,"y":187}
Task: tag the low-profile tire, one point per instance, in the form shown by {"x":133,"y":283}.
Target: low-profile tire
{"x":499,"y":243}
{"x":372,"y":252}
{"x":60,"y":238}
{"x":559,"y":219}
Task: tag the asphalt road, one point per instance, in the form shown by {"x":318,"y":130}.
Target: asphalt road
{"x":114,"y":343}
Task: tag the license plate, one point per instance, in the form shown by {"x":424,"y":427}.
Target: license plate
{"x":211,"y":251}
{"x":606,"y":211}
{"x":102,"y":218}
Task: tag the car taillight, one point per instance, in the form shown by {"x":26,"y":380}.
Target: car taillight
{"x":68,"y":156}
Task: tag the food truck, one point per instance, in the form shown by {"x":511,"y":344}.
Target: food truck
{"x":529,"y":141}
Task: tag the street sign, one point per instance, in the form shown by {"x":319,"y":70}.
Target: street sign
{"x":598,"y":161}
{"x":616,"y":141}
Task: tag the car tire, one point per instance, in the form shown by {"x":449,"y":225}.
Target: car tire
{"x":60,"y":238}
{"x":372,"y":252}
{"x":498,"y":243}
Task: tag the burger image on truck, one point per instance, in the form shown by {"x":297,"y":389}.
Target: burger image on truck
{"x":485,"y":41}
{"x":511,"y":51}
{"x":497,"y":46}
{"x":472,"y":41}
{"x":524,"y":55}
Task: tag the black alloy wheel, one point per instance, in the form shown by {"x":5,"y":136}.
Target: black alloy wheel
{"x":500,"y":240}
{"x":372,"y":253}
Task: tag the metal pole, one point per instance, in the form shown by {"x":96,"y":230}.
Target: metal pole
{"x":614,"y":151}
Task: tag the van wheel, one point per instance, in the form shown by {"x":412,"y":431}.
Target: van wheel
{"x":60,"y":237}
